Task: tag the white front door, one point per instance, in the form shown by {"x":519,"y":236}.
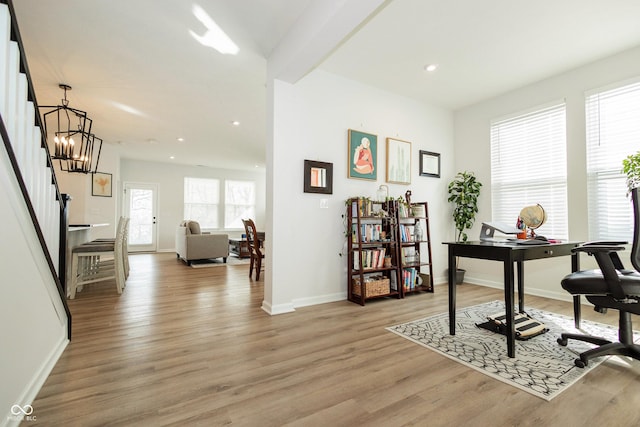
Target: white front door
{"x":140,"y":206}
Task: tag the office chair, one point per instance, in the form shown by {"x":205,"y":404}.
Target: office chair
{"x":612,"y":286}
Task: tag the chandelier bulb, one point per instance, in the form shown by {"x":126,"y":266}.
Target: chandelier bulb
{"x":56,"y":139}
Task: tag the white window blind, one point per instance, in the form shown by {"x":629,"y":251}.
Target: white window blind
{"x":240,"y":202}
{"x":613,"y":132}
{"x":528,"y":166}
{"x":201,"y":200}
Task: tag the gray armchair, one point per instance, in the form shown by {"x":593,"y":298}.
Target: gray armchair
{"x":193,"y":244}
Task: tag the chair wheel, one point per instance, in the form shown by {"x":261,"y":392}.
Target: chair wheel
{"x":580,"y":363}
{"x":563,"y":342}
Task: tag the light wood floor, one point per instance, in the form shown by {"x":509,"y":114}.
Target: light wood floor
{"x":189,"y":347}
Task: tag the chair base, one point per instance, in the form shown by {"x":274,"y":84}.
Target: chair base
{"x":626,"y":346}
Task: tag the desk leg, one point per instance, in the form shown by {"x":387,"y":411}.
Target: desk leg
{"x":575,"y":266}
{"x":452,"y":292}
{"x":508,"y":301}
{"x":520,"y":271}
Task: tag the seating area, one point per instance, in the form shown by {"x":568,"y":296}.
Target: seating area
{"x":194,"y":244}
{"x":101,"y":260}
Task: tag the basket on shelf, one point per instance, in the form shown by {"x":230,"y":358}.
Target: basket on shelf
{"x":374,"y":286}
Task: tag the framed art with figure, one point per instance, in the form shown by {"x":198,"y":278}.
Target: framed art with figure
{"x":363,"y":155}
{"x":101,"y":184}
{"x":398,"y":161}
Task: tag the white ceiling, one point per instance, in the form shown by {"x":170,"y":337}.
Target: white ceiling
{"x":145,"y":81}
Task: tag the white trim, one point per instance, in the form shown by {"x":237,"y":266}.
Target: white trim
{"x":612,"y":86}
{"x":277,"y":309}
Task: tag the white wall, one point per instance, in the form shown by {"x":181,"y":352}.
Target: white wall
{"x":311,"y":121}
{"x":170,"y":181}
{"x":472,"y":152}
{"x":33,"y":324}
{"x":85,"y":208}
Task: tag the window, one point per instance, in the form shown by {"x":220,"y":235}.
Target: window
{"x":613,"y":132}
{"x":201,"y":200}
{"x":239,"y":202}
{"x":528,"y":166}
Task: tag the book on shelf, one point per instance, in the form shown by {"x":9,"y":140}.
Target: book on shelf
{"x":370,"y":258}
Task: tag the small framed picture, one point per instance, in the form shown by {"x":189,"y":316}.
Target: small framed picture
{"x":429,"y":164}
{"x":398,"y":161}
{"x":101,"y":184}
{"x":318,"y":177}
{"x":363,"y":155}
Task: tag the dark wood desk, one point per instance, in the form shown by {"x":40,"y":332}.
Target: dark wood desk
{"x":509,"y":253}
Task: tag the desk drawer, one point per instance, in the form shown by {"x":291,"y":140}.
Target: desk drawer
{"x":547,"y":251}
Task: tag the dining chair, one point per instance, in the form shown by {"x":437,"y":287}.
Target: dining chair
{"x":255,"y":249}
{"x":98,"y":261}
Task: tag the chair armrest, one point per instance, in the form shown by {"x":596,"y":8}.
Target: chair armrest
{"x":593,"y":248}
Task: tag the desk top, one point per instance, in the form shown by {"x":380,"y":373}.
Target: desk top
{"x":497,"y":250}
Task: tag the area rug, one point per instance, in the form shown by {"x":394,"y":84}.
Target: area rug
{"x":541,"y":367}
{"x":217,"y":262}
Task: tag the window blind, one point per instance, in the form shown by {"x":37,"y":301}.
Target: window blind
{"x":528,"y":167}
{"x":240,"y":202}
{"x":201,"y":200}
{"x":613,"y":132}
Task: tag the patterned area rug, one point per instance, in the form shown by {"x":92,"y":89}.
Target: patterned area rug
{"x":541,"y":366}
{"x":217,"y":262}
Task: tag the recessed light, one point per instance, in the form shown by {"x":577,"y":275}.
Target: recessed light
{"x":235,"y":123}
{"x":172,"y":157}
{"x":180,"y":139}
{"x":430,"y":67}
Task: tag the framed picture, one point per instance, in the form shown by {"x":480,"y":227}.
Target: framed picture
{"x":363,"y":155}
{"x":101,"y":184}
{"x":398,"y":161}
{"x":318,"y":177}
{"x":429,"y":164}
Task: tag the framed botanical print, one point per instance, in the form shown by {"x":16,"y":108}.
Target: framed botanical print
{"x":101,"y":184}
{"x":318,"y":177}
{"x":363,"y":155}
{"x":398,"y":161}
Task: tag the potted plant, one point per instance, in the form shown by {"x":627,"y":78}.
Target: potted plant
{"x":631,"y":168}
{"x":464,"y":191}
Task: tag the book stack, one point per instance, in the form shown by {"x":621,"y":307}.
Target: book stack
{"x":371,"y":258}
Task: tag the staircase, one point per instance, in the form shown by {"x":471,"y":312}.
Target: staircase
{"x":35,"y":323}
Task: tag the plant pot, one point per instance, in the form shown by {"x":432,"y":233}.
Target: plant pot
{"x":460,"y":275}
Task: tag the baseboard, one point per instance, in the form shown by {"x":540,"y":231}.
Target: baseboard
{"x":277,"y":309}
{"x":321,"y":299}
{"x":30,"y":393}
{"x":560,"y":295}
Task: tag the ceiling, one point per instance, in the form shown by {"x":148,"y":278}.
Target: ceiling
{"x":145,"y":81}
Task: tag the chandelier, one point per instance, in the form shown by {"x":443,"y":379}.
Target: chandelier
{"x":69,"y":131}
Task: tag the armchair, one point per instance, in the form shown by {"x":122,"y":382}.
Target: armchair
{"x":612,"y":286}
{"x":192,"y":244}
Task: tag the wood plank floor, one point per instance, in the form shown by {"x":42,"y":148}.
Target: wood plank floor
{"x":186,"y":346}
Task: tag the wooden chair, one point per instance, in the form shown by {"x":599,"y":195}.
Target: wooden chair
{"x":255,"y":249}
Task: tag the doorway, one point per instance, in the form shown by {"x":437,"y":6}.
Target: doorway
{"x":140,"y":205}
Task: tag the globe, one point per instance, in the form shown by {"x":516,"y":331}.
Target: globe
{"x":533,"y":217}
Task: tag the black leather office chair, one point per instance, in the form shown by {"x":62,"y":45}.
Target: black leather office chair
{"x":612,"y":286}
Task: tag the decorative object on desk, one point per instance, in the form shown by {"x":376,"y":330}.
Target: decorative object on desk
{"x":533,"y":217}
{"x":464,"y":191}
{"x":69,"y":129}
{"x":429,"y":164}
{"x":318,"y":177}
{"x":520,"y":225}
{"x":631,"y":168}
{"x":398,"y":161}
{"x":363,"y":155}
{"x":541,"y":367}
{"x":101,"y":184}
